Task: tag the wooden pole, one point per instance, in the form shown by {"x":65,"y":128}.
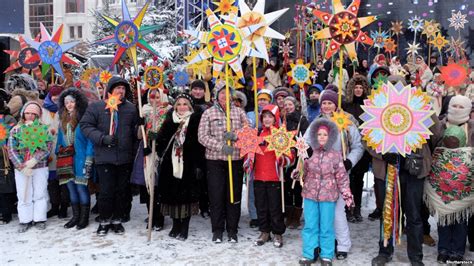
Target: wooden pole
{"x":152,"y":174}
{"x":282,"y":182}
{"x":228,"y":127}
{"x":254,"y":63}
{"x":339,"y":102}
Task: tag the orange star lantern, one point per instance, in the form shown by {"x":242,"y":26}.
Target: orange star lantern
{"x":281,"y":141}
{"x":344,"y":28}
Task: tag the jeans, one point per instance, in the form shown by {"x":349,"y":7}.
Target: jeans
{"x":452,"y":239}
{"x":268,"y":202}
{"x":78,"y":194}
{"x":114,"y":196}
{"x":224,"y":214}
{"x":318,"y":228}
{"x":412,"y":194}
{"x":251,"y":200}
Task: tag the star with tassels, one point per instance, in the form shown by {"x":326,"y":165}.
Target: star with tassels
{"x":248,"y":141}
{"x":281,"y":141}
{"x":21,"y":56}
{"x":225,"y":43}
{"x":258,"y":16}
{"x":51,"y":51}
{"x":128,"y":34}
{"x":345,"y":28}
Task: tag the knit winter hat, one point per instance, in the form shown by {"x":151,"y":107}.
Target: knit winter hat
{"x":185,"y":96}
{"x":456,"y":115}
{"x":282,"y":91}
{"x":380,"y":58}
{"x":314,"y":87}
{"x":328,"y":95}
{"x":265,"y":94}
{"x":455,"y":132}
{"x":32,"y":107}
{"x":55,"y":90}
{"x":294,"y":101}
{"x":332,"y":87}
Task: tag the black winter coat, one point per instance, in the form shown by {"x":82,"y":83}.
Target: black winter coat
{"x":95,"y":125}
{"x":172,"y":190}
{"x":292,"y":121}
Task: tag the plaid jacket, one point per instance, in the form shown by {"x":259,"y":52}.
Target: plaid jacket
{"x":19,"y":156}
{"x":213,"y":127}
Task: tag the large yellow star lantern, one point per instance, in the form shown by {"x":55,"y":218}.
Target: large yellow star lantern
{"x":128,"y":34}
{"x":281,"y":141}
{"x":342,"y":120}
{"x":300,"y":73}
{"x":257,"y":16}
{"x":200,"y":68}
{"x":225,"y":43}
{"x":344,"y":28}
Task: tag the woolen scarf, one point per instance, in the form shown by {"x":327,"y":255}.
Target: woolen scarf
{"x":180,"y":136}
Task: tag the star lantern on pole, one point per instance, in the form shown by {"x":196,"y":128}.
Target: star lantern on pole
{"x":281,"y":141}
{"x":34,"y":137}
{"x":22,"y":56}
{"x":457,"y":20}
{"x":439,"y":41}
{"x":248,"y":141}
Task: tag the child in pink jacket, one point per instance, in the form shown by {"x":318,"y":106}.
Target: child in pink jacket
{"x":324,"y":178}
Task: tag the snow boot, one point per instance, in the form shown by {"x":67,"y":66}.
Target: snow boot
{"x":381,"y":260}
{"x":217,"y":237}
{"x":103,"y":229}
{"x":375,"y":215}
{"x":40,"y":225}
{"x":24,"y":227}
{"x":278,"y":241}
{"x":289,"y":215}
{"x":357,"y":216}
{"x":262,"y":239}
{"x":176,"y":229}
{"x":326,"y":262}
{"x":84,"y":217}
{"x":75,"y":216}
{"x":296,"y":218}
{"x":118,"y":228}
{"x":53,"y":211}
{"x":183,"y":232}
{"x":306,"y":262}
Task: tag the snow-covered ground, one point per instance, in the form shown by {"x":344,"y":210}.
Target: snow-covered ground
{"x":57,"y":245}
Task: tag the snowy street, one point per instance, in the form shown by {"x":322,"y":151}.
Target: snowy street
{"x":57,"y":245}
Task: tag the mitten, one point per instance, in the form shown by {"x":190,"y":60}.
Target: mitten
{"x":31,"y":163}
{"x":109,"y":140}
{"x":230,"y":136}
{"x":228,"y":150}
{"x":347,"y":164}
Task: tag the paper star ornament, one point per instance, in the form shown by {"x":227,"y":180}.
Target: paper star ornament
{"x":248,"y":141}
{"x":225,"y":43}
{"x":397,"y":27}
{"x":225,"y":6}
{"x":415,"y":24}
{"x":344,"y":28}
{"x":257,"y":16}
{"x":379,"y":38}
{"x":153,"y":77}
{"x":439,"y":41}
{"x":105,"y":76}
{"x":390,"y":46}
{"x":457,"y":20}
{"x":112,"y":102}
{"x":129,"y":33}
{"x":199,"y":68}
{"x":281,"y":141}
{"x":300,"y":73}
{"x":430,"y":28}
{"x":301,"y":147}
{"x":51,"y":51}
{"x":22,"y":56}
{"x":34,"y":136}
{"x":396,"y":119}
{"x":341,"y":119}
{"x":413,"y":49}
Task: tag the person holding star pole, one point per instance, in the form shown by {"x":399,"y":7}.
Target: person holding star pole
{"x":29,"y":146}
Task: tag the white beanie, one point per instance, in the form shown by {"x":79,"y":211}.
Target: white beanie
{"x":457,"y":115}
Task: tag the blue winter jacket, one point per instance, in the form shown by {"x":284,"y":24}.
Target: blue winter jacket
{"x":83,"y":149}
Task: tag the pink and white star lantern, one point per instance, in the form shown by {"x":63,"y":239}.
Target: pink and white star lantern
{"x":396,"y":119}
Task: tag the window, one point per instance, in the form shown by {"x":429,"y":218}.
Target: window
{"x":71,"y":32}
{"x":41,"y":11}
{"x":74,"y":6}
{"x":79,"y":32}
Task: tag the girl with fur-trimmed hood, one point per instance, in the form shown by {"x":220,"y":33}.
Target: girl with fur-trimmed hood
{"x":73,"y":144}
{"x":325,"y":177}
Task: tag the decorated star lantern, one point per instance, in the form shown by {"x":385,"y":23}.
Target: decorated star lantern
{"x":397,"y":27}
{"x":396,"y":119}
{"x":257,"y":16}
{"x":199,"y":68}
{"x":439,"y":41}
{"x":51,"y":51}
{"x":455,"y":73}
{"x":379,"y":38}
{"x":181,"y":78}
{"x":248,"y":141}
{"x":300,"y":73}
{"x":390,"y":46}
{"x":34,"y":137}
{"x":430,"y":28}
{"x":344,"y":28}
{"x":128,"y":34}
{"x":301,"y":147}
{"x":4,"y":130}
{"x":154,"y":77}
{"x":281,"y":141}
{"x":112,"y":102}
{"x":22,"y":56}
{"x":457,"y":20}
{"x":341,"y":119}
{"x":225,"y":43}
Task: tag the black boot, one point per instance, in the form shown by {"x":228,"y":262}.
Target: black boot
{"x":84,"y":218}
{"x":62,"y":211}
{"x":176,"y":229}
{"x":183,"y":233}
{"x":76,"y":212}
{"x":53,"y":211}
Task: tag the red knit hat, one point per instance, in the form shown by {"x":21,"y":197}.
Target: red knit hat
{"x":55,"y":90}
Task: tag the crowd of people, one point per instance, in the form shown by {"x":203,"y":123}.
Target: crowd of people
{"x":93,"y":151}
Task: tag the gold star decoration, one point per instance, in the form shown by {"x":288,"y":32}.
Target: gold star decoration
{"x":390,"y":46}
{"x":281,"y":141}
{"x":430,"y":28}
{"x":112,"y":102}
{"x":341,"y":119}
{"x":300,"y":73}
{"x":199,"y":68}
{"x":225,"y":6}
{"x":439,"y":41}
{"x":397,"y":27}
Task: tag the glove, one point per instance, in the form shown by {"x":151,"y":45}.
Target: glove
{"x":109,"y":140}
{"x":152,"y":135}
{"x":146,"y":151}
{"x":228,"y":150}
{"x":349,"y":199}
{"x":141,"y":121}
{"x":27,"y":171}
{"x":199,"y":173}
{"x":347,"y":164}
{"x":88,"y":168}
{"x":31,"y":163}
{"x":295,"y":174}
{"x":391,"y":158}
{"x":230,"y":136}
